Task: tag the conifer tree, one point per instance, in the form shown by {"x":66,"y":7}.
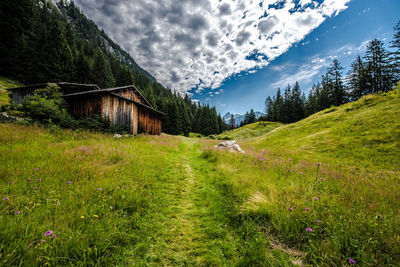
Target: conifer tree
{"x":357,"y":79}
{"x":101,"y":71}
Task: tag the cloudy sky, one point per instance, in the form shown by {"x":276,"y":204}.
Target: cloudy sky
{"x":234,"y":53}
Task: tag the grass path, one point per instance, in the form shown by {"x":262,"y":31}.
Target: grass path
{"x":198,"y":224}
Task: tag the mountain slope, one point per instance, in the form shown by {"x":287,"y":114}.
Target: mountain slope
{"x":250,"y":130}
{"x":366,"y":131}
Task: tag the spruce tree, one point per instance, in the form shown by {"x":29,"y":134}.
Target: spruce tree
{"x":101,"y":71}
{"x":357,"y":79}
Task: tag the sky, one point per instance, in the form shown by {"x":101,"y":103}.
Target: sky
{"x":234,"y":53}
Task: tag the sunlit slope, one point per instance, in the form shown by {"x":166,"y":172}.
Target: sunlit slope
{"x":250,"y":130}
{"x":364,"y":133}
{"x":4,"y":84}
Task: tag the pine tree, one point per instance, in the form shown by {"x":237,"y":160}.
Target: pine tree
{"x":338,"y":94}
{"x":231,"y":123}
{"x":101,"y":71}
{"x":379,"y":74}
{"x":395,"y":44}
{"x":357,"y":79}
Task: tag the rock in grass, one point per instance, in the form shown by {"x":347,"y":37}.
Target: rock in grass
{"x":117,"y":136}
{"x":230,"y":146}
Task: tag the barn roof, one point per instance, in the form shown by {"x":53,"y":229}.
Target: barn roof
{"x":111,"y":90}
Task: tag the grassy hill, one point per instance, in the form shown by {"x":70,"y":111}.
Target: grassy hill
{"x":320,"y":191}
{"x":250,"y":130}
{"x":4,"y":84}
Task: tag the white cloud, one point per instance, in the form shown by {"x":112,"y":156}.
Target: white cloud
{"x":184,"y":42}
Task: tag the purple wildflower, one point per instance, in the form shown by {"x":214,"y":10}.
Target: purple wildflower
{"x":11,"y":182}
{"x":290,"y":209}
{"x":99,"y":188}
{"x":352,"y":261}
{"x":308,"y":229}
{"x":306,"y":200}
{"x":307,"y":209}
{"x":318,"y":221}
{"x":43,"y":241}
{"x":53,"y":236}
{"x":48,"y":233}
{"x":322,"y":179}
{"x":51,"y":153}
{"x":301,"y":172}
{"x":6,"y":198}
{"x":38,"y":180}
{"x":17,"y":212}
{"x":36,"y":169}
{"x":315,"y":198}
{"x":124,"y":186}
{"x":319,"y":182}
{"x":319,"y":163}
{"x":36,"y":188}
{"x":69,"y":182}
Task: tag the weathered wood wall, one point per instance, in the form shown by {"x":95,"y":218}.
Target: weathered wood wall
{"x":149,"y":122}
{"x":120,"y":112}
{"x":130,"y":94}
{"x":82,"y":106}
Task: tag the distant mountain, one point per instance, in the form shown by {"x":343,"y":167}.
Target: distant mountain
{"x":238,"y":117}
{"x":88,"y":30}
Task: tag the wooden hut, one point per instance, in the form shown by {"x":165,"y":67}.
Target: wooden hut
{"x":124,"y":106}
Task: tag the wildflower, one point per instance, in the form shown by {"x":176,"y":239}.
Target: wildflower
{"x":82,"y":217}
{"x":95,"y":216}
{"x":318,"y":221}
{"x":352,"y":261}
{"x":6,"y":198}
{"x":53,"y":236}
{"x":307,"y":209}
{"x":308,"y":229}
{"x":36,"y":188}
{"x":43,"y":241}
{"x":48,"y":233}
{"x":319,"y":182}
{"x":51,"y":153}
{"x":17,"y":212}
{"x":36,"y":169}
{"x":319,"y":163}
{"x":38,"y":180}
{"x":322,"y":179}
{"x":290,"y":209}
{"x":315,"y":198}
{"x":99,"y":188}
{"x":124,"y":186}
{"x":11,"y":182}
{"x":69,"y":182}
{"x":306,"y":200}
{"x":301,"y":172}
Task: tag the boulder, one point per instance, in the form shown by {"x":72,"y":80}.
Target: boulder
{"x":230,"y":146}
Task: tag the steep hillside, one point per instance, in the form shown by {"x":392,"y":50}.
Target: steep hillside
{"x":250,"y":130}
{"x":364,"y":132}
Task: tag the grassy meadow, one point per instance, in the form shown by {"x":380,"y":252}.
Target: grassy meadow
{"x":4,"y":84}
{"x":324,"y":191}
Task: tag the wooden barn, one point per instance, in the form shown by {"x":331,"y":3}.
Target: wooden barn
{"x":124,"y":106}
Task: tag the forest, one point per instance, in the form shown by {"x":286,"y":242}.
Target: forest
{"x":43,"y":42}
{"x":377,"y":71}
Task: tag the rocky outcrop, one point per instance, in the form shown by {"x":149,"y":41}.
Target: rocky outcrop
{"x":230,"y":146}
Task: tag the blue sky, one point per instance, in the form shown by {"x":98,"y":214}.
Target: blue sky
{"x":235,"y":53}
{"x":343,"y":37}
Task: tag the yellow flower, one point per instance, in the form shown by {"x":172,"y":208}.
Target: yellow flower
{"x":95,"y":216}
{"x":82,"y":217}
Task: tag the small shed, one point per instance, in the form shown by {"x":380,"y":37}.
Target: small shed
{"x":124,"y":106}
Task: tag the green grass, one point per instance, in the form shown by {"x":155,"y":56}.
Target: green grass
{"x":4,"y":84}
{"x":358,"y":145}
{"x":250,"y":130}
{"x":175,"y":201}
{"x":161,"y":203}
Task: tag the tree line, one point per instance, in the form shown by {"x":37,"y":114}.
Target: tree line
{"x":41,"y":42}
{"x":377,"y":71}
